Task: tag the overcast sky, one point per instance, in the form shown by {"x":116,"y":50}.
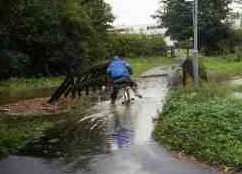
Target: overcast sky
{"x":134,"y":12}
{"x":237,"y":7}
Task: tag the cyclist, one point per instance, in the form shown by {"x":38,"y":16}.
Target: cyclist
{"x":119,"y":71}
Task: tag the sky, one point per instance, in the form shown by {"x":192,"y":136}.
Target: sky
{"x":137,"y":12}
{"x":133,"y":12}
{"x":236,"y":7}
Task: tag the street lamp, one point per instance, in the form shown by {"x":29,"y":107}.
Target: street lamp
{"x":195,"y":45}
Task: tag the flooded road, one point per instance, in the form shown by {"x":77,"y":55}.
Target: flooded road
{"x":105,"y":139}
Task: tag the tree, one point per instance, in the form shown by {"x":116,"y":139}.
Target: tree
{"x":55,"y":34}
{"x":176,"y":16}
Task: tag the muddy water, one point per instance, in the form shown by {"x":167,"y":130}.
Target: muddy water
{"x":14,"y":96}
{"x":105,"y":140}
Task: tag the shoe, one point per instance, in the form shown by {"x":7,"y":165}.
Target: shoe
{"x":139,"y":95}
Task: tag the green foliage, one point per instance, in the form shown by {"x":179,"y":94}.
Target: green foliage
{"x":177,"y":18}
{"x":138,"y":44}
{"x":234,"y":44}
{"x":237,"y":37}
{"x":231,"y":45}
{"x":204,"y":123}
{"x":54,"y":35}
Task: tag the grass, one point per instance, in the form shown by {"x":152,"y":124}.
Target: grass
{"x":204,"y":123}
{"x":30,"y":83}
{"x":141,"y":65}
{"x":223,"y":68}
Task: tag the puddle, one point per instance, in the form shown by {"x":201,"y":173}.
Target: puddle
{"x":236,"y":81}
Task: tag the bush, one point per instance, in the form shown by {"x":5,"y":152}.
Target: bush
{"x":204,"y":123}
{"x":232,"y":44}
{"x":13,"y":64}
{"x":138,"y":44}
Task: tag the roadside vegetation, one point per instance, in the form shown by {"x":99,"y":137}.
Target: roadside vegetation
{"x":138,"y":44}
{"x":204,"y":123}
{"x":139,"y":64}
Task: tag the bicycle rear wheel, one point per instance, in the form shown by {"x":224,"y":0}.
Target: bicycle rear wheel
{"x":126,"y":95}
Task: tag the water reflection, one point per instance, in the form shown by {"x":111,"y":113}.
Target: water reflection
{"x":73,"y":141}
{"x":100,"y":130}
{"x":77,"y":137}
{"x":122,"y":132}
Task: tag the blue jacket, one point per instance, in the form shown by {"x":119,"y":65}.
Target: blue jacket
{"x":118,"y":68}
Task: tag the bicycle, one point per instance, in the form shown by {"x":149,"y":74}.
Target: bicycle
{"x":124,"y":85}
{"x":126,"y":95}
{"x":123,"y":93}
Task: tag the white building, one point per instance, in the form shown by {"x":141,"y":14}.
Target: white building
{"x":144,"y":29}
{"x":140,"y":29}
{"x":238,"y":22}
{"x":235,"y":19}
{"x":236,"y":15}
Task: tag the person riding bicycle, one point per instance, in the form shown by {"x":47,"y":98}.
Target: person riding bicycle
{"x":119,"y":71}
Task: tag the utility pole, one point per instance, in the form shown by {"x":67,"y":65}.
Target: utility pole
{"x":195,"y":49}
{"x":195,"y":44}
